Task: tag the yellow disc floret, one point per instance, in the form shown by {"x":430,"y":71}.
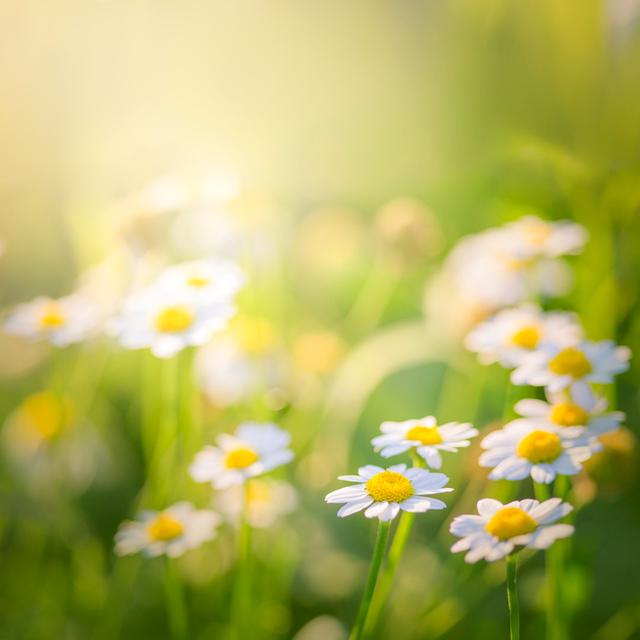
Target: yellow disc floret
{"x":568,"y":414}
{"x":198,"y":281}
{"x":570,"y":362}
{"x":52,"y":316}
{"x":540,"y":446}
{"x":164,"y":527}
{"x":526,"y":337}
{"x":424,"y":435}
{"x":240,"y":458}
{"x":254,"y":335}
{"x":389,"y":486}
{"x":174,"y":319}
{"x":510,"y":522}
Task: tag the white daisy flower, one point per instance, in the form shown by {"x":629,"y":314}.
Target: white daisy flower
{"x":425,"y":436}
{"x":383,"y":493}
{"x":537,"y":237}
{"x":204,"y":280}
{"x":500,"y":528}
{"x":172,"y":531}
{"x":513,"y":333}
{"x":167,"y":322}
{"x":267,"y":500}
{"x":252,"y":450}
{"x":579,"y":407}
{"x":557,"y":367}
{"x":61,"y":322}
{"x":519,"y":450}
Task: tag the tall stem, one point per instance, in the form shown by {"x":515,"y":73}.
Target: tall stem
{"x":512,"y":596}
{"x":378,"y":554}
{"x":175,"y":602}
{"x":243,"y":576}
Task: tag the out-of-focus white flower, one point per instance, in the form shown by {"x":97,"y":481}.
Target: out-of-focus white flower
{"x":499,"y":528}
{"x":172,"y":532}
{"x":557,"y":367}
{"x":252,"y":450}
{"x":513,"y":333}
{"x":383,"y":493}
{"x":169,"y":321}
{"x":519,"y":450}
{"x":580,"y":407}
{"x":425,"y":436}
{"x":61,"y":322}
{"x":536,"y":237}
{"x":267,"y":500}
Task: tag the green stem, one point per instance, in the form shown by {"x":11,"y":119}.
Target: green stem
{"x":175,"y":602}
{"x":512,"y":596}
{"x":378,"y":553}
{"x":242,"y":587}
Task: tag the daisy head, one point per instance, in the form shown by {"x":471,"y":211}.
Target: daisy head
{"x":537,"y":237}
{"x":61,"y":322}
{"x":557,"y":367}
{"x":252,"y":450}
{"x":511,"y":334}
{"x":383,"y":493}
{"x":521,"y":449}
{"x":171,"y":532}
{"x":425,"y":437}
{"x":168,"y":322}
{"x":498,"y":529}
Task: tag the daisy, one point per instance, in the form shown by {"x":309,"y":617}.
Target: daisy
{"x":383,"y":493}
{"x":579,"y":407}
{"x":266,"y":500}
{"x":557,"y":367}
{"x":167,"y":322}
{"x":513,"y":333}
{"x":499,"y":528}
{"x":204,"y":280}
{"x":425,"y":436}
{"x":252,"y":450}
{"x":172,"y":531}
{"x":519,"y":450}
{"x":61,"y":322}
{"x":538,"y":237}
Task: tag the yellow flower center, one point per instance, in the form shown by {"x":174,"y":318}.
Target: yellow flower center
{"x":568,"y":414}
{"x":164,"y":527}
{"x":174,"y":319}
{"x":198,"y":281}
{"x":537,"y":232}
{"x":240,"y":458}
{"x":425,"y":435}
{"x":570,"y":362}
{"x":389,"y":486}
{"x":510,"y":522}
{"x":45,"y":414}
{"x":526,"y":337}
{"x":540,"y":446}
{"x":258,"y":491}
{"x":254,"y":335}
{"x":52,"y":316}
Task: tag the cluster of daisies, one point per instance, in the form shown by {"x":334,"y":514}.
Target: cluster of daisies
{"x":232,"y":467}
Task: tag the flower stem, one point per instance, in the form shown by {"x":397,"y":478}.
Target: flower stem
{"x":175,"y":602}
{"x":376,"y":561}
{"x":512,"y":596}
{"x":242,"y":585}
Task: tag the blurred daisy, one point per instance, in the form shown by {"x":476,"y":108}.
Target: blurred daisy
{"x":61,"y":322}
{"x":172,"y":532}
{"x":383,"y":493}
{"x":520,"y":450}
{"x":425,"y":436}
{"x":579,"y":407}
{"x":499,"y":528}
{"x":557,"y":367}
{"x":267,"y":500}
{"x":167,"y":322}
{"x":537,"y":237}
{"x":513,"y":333}
{"x":252,"y":450}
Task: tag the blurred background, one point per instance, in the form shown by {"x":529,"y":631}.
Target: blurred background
{"x":338,"y":150}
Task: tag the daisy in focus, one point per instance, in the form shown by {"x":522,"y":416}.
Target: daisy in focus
{"x":511,"y":334}
{"x":383,"y":493}
{"x":171,"y":532}
{"x":61,"y":322}
{"x":499,"y":528}
{"x":519,"y":450}
{"x":425,"y":436}
{"x":252,"y":450}
{"x":557,"y":367}
{"x":267,"y":500}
